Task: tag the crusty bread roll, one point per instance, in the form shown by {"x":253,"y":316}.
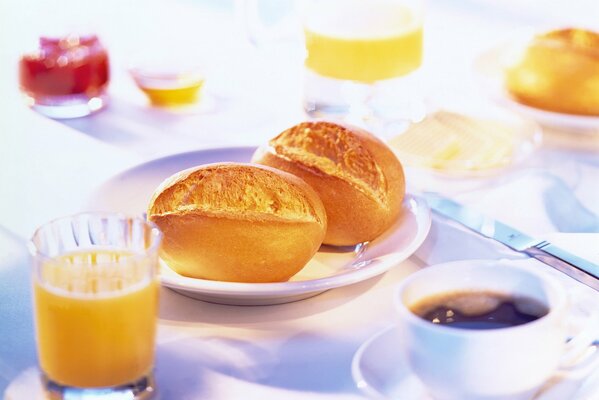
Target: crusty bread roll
{"x":558,"y":71}
{"x":237,"y":222}
{"x":358,"y":178}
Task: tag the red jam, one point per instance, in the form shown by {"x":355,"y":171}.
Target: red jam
{"x":72,"y":65}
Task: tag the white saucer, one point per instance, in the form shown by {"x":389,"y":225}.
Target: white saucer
{"x":489,"y":68}
{"x":26,"y":385}
{"x":331,"y":267}
{"x":380,"y":370}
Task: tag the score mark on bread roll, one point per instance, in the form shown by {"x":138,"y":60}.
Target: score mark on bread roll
{"x":358,"y":178}
{"x":237,"y":222}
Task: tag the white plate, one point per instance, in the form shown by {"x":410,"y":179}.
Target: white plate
{"x":380,"y":370}
{"x":489,"y":67}
{"x":331,"y":267}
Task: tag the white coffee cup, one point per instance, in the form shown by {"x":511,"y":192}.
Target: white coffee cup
{"x":505,"y":363}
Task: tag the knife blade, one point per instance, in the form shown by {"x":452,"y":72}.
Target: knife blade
{"x":575,"y":267}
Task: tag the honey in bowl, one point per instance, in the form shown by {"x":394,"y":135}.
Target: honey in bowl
{"x":169,"y":89}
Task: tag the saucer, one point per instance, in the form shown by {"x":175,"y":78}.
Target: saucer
{"x":380,"y":370}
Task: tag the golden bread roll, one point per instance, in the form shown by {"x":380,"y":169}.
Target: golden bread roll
{"x":358,"y":178}
{"x":237,"y":222}
{"x":558,"y":71}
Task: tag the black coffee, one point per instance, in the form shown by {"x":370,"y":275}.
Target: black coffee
{"x":479,"y":310}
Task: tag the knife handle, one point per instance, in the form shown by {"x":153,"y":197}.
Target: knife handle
{"x":578,"y":268}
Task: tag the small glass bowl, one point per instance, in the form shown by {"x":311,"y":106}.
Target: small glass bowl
{"x":169,"y":87}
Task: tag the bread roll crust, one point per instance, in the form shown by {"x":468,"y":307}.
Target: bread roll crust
{"x":358,"y":178}
{"x":237,"y":222}
{"x":559,"y":72}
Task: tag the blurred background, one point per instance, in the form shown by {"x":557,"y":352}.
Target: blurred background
{"x":244,"y":79}
{"x":252,"y":91}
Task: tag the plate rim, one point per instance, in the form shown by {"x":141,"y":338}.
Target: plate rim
{"x":157,"y":160}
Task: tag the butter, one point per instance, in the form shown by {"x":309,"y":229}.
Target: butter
{"x":455,"y":142}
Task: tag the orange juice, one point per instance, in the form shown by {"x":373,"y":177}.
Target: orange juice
{"x":362,"y":40}
{"x":95,"y":318}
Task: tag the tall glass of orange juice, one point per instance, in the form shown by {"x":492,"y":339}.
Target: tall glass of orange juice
{"x":95,"y":305}
{"x":356,"y":47}
{"x":360,"y":55}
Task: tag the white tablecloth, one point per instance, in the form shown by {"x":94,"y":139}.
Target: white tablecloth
{"x":299,"y":350}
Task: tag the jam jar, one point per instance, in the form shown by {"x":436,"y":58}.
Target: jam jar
{"x":65,"y":77}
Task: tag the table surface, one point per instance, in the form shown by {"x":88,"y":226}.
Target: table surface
{"x":297,"y":350}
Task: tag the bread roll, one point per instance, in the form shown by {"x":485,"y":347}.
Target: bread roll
{"x":558,"y":71}
{"x":237,"y":222}
{"x":358,"y":178}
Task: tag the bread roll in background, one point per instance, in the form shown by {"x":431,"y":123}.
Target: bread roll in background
{"x":237,"y":222}
{"x":359,"y":179}
{"x":558,"y":71}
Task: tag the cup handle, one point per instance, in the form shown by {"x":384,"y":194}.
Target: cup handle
{"x":580,"y":359}
{"x":573,"y":372}
{"x":587,"y":362}
{"x":582,"y":350}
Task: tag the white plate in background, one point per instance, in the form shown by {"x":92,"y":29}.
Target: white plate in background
{"x":489,"y":68}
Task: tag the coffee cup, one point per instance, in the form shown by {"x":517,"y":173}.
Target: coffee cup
{"x":472,"y":350}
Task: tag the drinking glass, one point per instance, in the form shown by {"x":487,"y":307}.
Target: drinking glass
{"x":95,"y":304}
{"x":361,"y":55}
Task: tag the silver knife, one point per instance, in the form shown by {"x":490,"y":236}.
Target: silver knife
{"x":578,"y":268}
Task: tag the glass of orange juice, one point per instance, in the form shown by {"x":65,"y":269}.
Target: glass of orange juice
{"x":353,"y":47}
{"x":95,"y":304}
{"x":359,"y":54}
